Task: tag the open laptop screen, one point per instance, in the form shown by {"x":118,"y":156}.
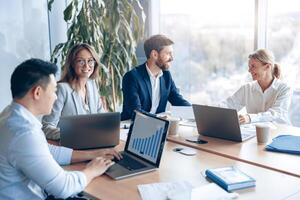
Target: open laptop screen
{"x":147,"y":137}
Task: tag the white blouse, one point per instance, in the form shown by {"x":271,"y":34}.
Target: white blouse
{"x":270,"y":105}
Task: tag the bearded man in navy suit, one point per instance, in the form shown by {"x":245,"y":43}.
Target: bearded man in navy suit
{"x":150,"y":86}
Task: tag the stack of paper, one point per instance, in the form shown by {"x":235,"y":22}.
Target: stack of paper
{"x":183,"y":190}
{"x":180,"y":190}
{"x":182,"y":112}
{"x":212,"y":192}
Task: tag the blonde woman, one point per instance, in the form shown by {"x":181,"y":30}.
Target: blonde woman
{"x":266,"y":98}
{"x":77,"y":92}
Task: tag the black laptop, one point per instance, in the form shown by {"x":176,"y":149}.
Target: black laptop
{"x":90,"y":131}
{"x":144,"y":146}
{"x":221,"y":123}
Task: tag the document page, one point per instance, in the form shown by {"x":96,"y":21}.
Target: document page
{"x":180,"y":190}
{"x":212,"y":192}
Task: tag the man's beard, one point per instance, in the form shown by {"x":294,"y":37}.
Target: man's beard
{"x":163,"y":65}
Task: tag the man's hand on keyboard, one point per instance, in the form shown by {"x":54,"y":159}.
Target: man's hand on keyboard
{"x":109,"y":153}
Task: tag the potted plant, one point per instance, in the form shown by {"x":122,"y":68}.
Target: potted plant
{"x":113,"y":28}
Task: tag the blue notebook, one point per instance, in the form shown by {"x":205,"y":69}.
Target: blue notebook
{"x":286,"y":144}
{"x":230,"y":178}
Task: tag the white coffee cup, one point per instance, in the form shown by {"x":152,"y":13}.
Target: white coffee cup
{"x":173,"y":126}
{"x":262,"y":133}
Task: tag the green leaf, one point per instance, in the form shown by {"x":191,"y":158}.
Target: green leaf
{"x":68,"y":12}
{"x":50,"y":4}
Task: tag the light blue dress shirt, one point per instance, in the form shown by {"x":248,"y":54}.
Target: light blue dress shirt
{"x":28,"y":164}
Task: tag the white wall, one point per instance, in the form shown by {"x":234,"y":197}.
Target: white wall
{"x":58,"y":27}
{"x":23,"y":34}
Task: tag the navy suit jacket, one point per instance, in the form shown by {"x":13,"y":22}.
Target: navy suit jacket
{"x":137,"y":92}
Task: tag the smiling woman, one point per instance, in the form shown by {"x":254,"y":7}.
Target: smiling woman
{"x":84,"y":66}
{"x":77,"y":92}
{"x":266,"y":98}
{"x":263,"y":68}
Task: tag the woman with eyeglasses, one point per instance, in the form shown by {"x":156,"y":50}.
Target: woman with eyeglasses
{"x":77,"y":92}
{"x":266,"y":98}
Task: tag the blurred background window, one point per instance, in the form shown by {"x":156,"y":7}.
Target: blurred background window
{"x":214,"y":38}
{"x":212,"y":42}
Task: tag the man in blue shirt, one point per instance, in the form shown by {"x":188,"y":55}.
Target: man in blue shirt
{"x":150,"y":86}
{"x":28,"y":165}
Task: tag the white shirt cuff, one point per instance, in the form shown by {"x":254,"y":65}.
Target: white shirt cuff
{"x":62,"y":155}
{"x":253,"y":118}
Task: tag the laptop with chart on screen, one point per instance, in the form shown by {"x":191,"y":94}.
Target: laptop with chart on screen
{"x":144,"y":147}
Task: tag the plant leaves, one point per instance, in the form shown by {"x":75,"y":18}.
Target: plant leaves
{"x":50,"y":5}
{"x":68,"y":12}
{"x":113,"y":28}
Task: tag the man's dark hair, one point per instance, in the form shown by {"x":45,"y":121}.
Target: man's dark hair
{"x":156,"y":42}
{"x":29,"y":74}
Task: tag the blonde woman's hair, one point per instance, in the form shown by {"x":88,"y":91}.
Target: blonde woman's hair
{"x":267,"y":57}
{"x":69,"y":74}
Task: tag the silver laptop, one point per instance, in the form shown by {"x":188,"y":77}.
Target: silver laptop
{"x":90,"y":131}
{"x":221,"y":123}
{"x":144,"y":147}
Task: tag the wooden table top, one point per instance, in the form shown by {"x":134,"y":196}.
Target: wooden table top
{"x":248,"y":151}
{"x":177,"y":167}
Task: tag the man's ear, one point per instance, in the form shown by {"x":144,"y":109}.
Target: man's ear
{"x":36,"y":92}
{"x":154,"y":54}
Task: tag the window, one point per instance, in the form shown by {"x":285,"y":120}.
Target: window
{"x":23,"y":34}
{"x":284,"y":37}
{"x":284,"y":40}
{"x":212,"y":42}
{"x":214,"y":38}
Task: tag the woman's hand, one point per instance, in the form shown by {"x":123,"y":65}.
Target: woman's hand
{"x":244,"y":119}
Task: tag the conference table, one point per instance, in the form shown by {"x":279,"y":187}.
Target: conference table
{"x":248,"y":151}
{"x":174,"y":166}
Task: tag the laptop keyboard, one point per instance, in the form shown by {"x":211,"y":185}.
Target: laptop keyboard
{"x":246,"y":135}
{"x":247,"y":130}
{"x":129,"y":163}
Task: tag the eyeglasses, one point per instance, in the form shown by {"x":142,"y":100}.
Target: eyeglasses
{"x":81,"y":62}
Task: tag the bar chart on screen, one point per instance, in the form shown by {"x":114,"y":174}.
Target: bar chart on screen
{"x":147,"y":137}
{"x":148,"y":145}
